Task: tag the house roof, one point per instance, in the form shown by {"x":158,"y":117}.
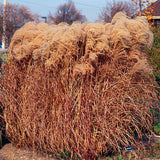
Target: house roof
{"x":156,"y":8}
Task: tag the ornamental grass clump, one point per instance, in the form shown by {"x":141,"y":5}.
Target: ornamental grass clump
{"x":85,"y":89}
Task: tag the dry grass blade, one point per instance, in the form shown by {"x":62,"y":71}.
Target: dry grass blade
{"x":81,"y":89}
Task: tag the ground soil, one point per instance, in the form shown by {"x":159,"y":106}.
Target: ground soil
{"x":10,"y":152}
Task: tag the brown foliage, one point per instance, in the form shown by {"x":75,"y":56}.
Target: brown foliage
{"x":67,"y":13}
{"x":116,"y":6}
{"x":146,"y":8}
{"x":82,"y":88}
{"x":16,"y":17}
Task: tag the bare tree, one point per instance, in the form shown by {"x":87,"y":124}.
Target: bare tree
{"x":116,"y":6}
{"x":16,"y":17}
{"x":67,"y":13}
{"x":50,"y":18}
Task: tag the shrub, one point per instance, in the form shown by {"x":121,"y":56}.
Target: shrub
{"x":83,"y":89}
{"x":154,"y":54}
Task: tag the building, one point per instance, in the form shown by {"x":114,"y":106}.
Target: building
{"x":156,"y":13}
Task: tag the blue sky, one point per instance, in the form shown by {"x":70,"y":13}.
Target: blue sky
{"x":89,"y":8}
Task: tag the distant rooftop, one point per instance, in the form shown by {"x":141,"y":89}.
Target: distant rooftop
{"x":156,"y":8}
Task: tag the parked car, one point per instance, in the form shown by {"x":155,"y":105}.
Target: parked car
{"x":6,"y":46}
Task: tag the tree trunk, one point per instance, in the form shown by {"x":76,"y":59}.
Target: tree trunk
{"x":140,"y":7}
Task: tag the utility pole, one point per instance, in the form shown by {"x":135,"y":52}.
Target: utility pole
{"x":4,"y":25}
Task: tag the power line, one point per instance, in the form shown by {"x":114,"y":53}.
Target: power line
{"x":88,"y":5}
{"x":36,"y":4}
{"x":53,"y":7}
{"x":48,"y":6}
